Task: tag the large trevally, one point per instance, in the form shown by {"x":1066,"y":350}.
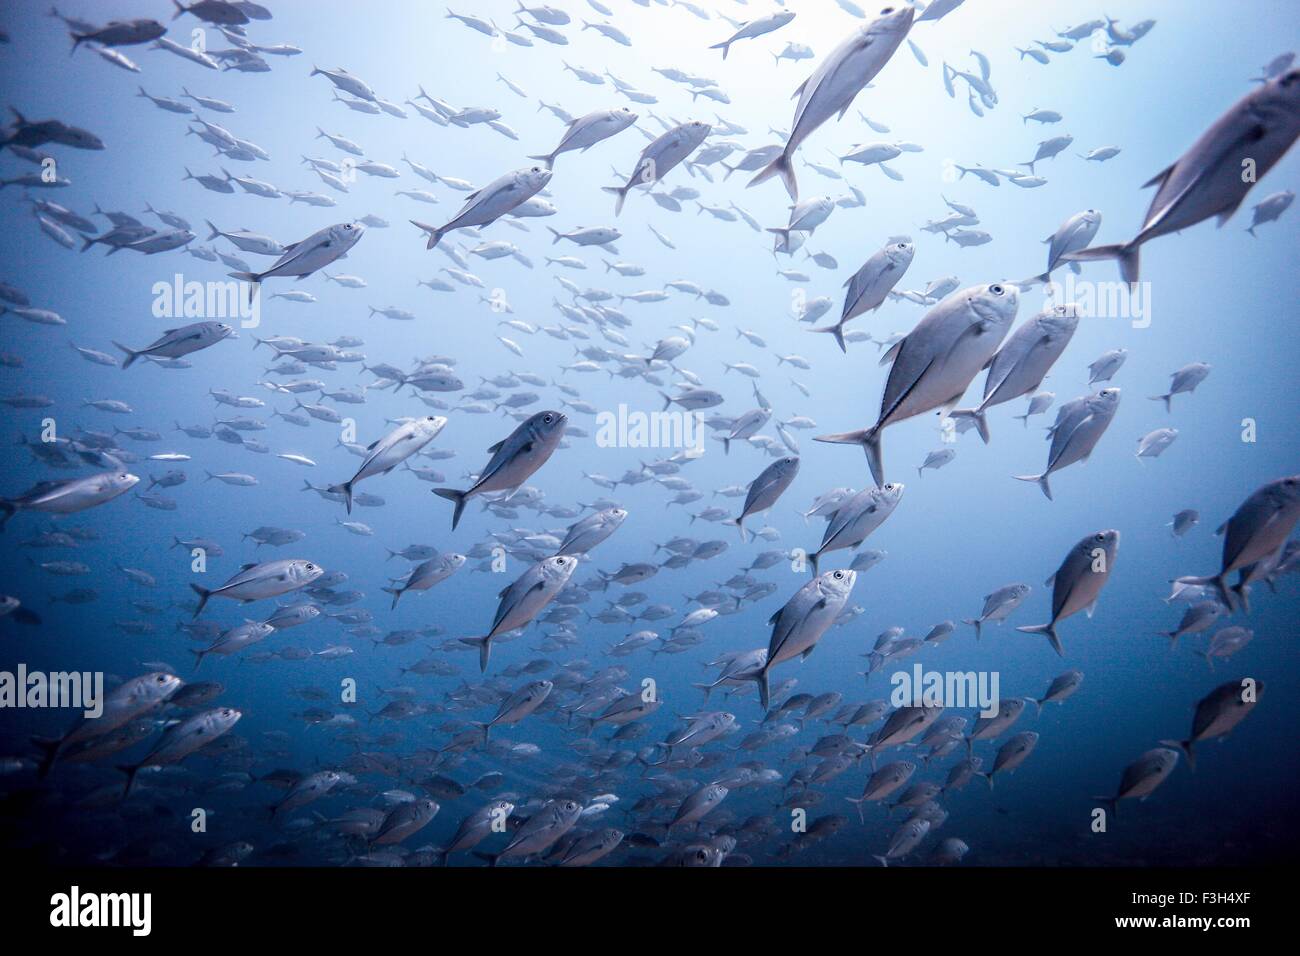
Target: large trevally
{"x":523,"y":600}
{"x":487,"y":205}
{"x":586,"y":131}
{"x":1078,"y":582}
{"x":1256,"y":532}
{"x":1208,"y":179}
{"x":1079,"y":426}
{"x":1024,"y":361}
{"x":177,"y":343}
{"x":514,"y":459}
{"x":800,"y":624}
{"x":309,"y":255}
{"x":870,"y":286}
{"x":1071,"y":236}
{"x":69,"y":497}
{"x":385,"y":454}
{"x":855,"y":519}
{"x":182,"y":739}
{"x":934,"y":364}
{"x":766,"y":489}
{"x":253,"y":582}
{"x":659,"y":158}
{"x":831,"y":89}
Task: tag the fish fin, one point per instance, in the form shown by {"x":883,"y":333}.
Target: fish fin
{"x":781,"y":166}
{"x":1186,"y":747}
{"x":836,"y":330}
{"x":1040,"y":479}
{"x":451,"y":494}
{"x":484,"y":645}
{"x":203,"y":594}
{"x":344,"y":489}
{"x":981,"y":420}
{"x":620,"y":192}
{"x":1049,"y":630}
{"x":1126,"y":253}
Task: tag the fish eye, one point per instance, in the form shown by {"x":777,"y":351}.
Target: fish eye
{"x":887,"y":11}
{"x":838,"y":575}
{"x":1100,"y":536}
{"x":996,"y":289}
{"x":547,"y":419}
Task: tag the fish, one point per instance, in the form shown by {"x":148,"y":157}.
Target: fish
{"x":588,"y":130}
{"x":934,"y":364}
{"x":836,"y":83}
{"x":1077,"y":583}
{"x":1079,"y":426}
{"x":255,"y":582}
{"x":869,"y":287}
{"x":1257,"y":530}
{"x":385,"y":454}
{"x":520,"y":602}
{"x":1207,"y":181}
{"x":660,"y":157}
{"x":498,"y":198}
{"x":801,"y":622}
{"x":514,"y":459}
{"x":1218,"y":713}
{"x":766,"y":489}
{"x":1023,"y":361}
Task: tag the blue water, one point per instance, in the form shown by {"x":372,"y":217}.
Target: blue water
{"x":1217,"y":295}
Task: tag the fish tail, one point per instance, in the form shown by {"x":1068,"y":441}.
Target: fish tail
{"x":1126,"y":253}
{"x":858,"y":801}
{"x":781,"y":166}
{"x":836,"y":330}
{"x":976,"y":623}
{"x":707,"y":688}
{"x":620,"y":192}
{"x":988,"y":778}
{"x":484,"y":645}
{"x":130,"y":770}
{"x":814,"y":559}
{"x":1169,"y":407}
{"x":435,"y":234}
{"x":981,"y":420}
{"x":1047,"y":629}
{"x":451,"y":494}
{"x":490,"y":857}
{"x":344,"y":489}
{"x":203,"y":594}
{"x":883,"y":860}
{"x":1041,"y":480}
{"x":216,"y":233}
{"x":869,"y":439}
{"x":198,"y":657}
{"x":396,"y":593}
{"x":131,"y":355}
{"x":1038,"y":705}
{"x":1186,"y":747}
{"x":52,"y":749}
{"x":547,"y":158}
{"x":764,"y":689}
{"x":7,"y":510}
